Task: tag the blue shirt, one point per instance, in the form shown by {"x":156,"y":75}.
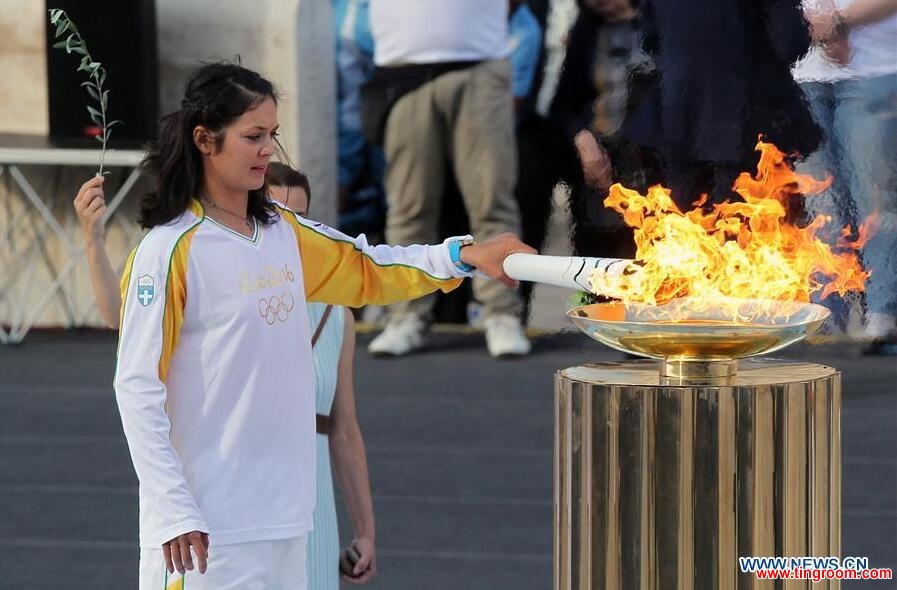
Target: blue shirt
{"x":355,"y":65}
{"x":525,"y":38}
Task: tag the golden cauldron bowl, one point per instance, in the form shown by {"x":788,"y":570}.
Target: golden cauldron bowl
{"x":697,"y":342}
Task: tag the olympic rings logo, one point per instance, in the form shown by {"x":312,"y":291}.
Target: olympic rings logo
{"x":276,"y":308}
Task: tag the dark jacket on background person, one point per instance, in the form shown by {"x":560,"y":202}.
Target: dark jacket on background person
{"x":572,"y":108}
{"x":597,"y":231}
{"x":724,"y":78}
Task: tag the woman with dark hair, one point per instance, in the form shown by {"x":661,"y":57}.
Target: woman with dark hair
{"x":216,"y":403}
{"x":340,"y":446}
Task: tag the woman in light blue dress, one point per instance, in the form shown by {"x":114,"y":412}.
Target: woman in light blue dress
{"x":342,"y":449}
{"x":340,"y":446}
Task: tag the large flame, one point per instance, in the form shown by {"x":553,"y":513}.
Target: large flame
{"x":741,"y":250}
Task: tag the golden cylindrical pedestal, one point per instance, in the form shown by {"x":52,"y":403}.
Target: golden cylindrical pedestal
{"x":662,"y":484}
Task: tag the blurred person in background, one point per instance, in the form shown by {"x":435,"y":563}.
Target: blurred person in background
{"x":819,"y":77}
{"x":90,"y":207}
{"x":542,"y":154}
{"x":340,"y":445}
{"x":579,"y":143}
{"x":723,"y":79}
{"x":362,"y":200}
{"x":533,"y":198}
{"x":440,"y":101}
{"x":850,"y":78}
{"x":525,"y":46}
{"x":599,"y":81}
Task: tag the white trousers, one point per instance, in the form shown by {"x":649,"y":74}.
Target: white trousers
{"x":262,"y":565}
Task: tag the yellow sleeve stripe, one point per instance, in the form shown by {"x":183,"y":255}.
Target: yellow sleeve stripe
{"x":338,"y":272}
{"x":125,"y":281}
{"x":178,"y":584}
{"x":175,"y":299}
{"x":123,"y":285}
{"x":300,"y":230}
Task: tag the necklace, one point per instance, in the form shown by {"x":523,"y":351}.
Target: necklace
{"x":245,"y":219}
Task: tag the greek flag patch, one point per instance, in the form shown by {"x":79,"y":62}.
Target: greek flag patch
{"x":146,"y":291}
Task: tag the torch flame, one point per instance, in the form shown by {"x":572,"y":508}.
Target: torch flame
{"x":736,"y":250}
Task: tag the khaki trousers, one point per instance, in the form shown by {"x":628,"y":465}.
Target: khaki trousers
{"x":461,"y":122}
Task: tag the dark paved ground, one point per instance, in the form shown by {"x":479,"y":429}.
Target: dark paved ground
{"x":460,"y":454}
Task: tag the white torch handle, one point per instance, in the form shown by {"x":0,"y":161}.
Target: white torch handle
{"x":572,"y":272}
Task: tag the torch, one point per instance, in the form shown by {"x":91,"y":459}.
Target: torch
{"x":572,"y":272}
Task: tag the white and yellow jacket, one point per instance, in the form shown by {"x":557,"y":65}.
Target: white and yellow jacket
{"x":214,"y":379}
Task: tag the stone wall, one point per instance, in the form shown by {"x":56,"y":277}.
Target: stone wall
{"x":23,"y":68}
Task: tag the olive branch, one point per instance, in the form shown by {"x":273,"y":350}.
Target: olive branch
{"x":74,"y":43}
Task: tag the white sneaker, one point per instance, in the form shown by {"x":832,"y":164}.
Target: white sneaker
{"x":505,"y":336}
{"x":403,"y":334}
